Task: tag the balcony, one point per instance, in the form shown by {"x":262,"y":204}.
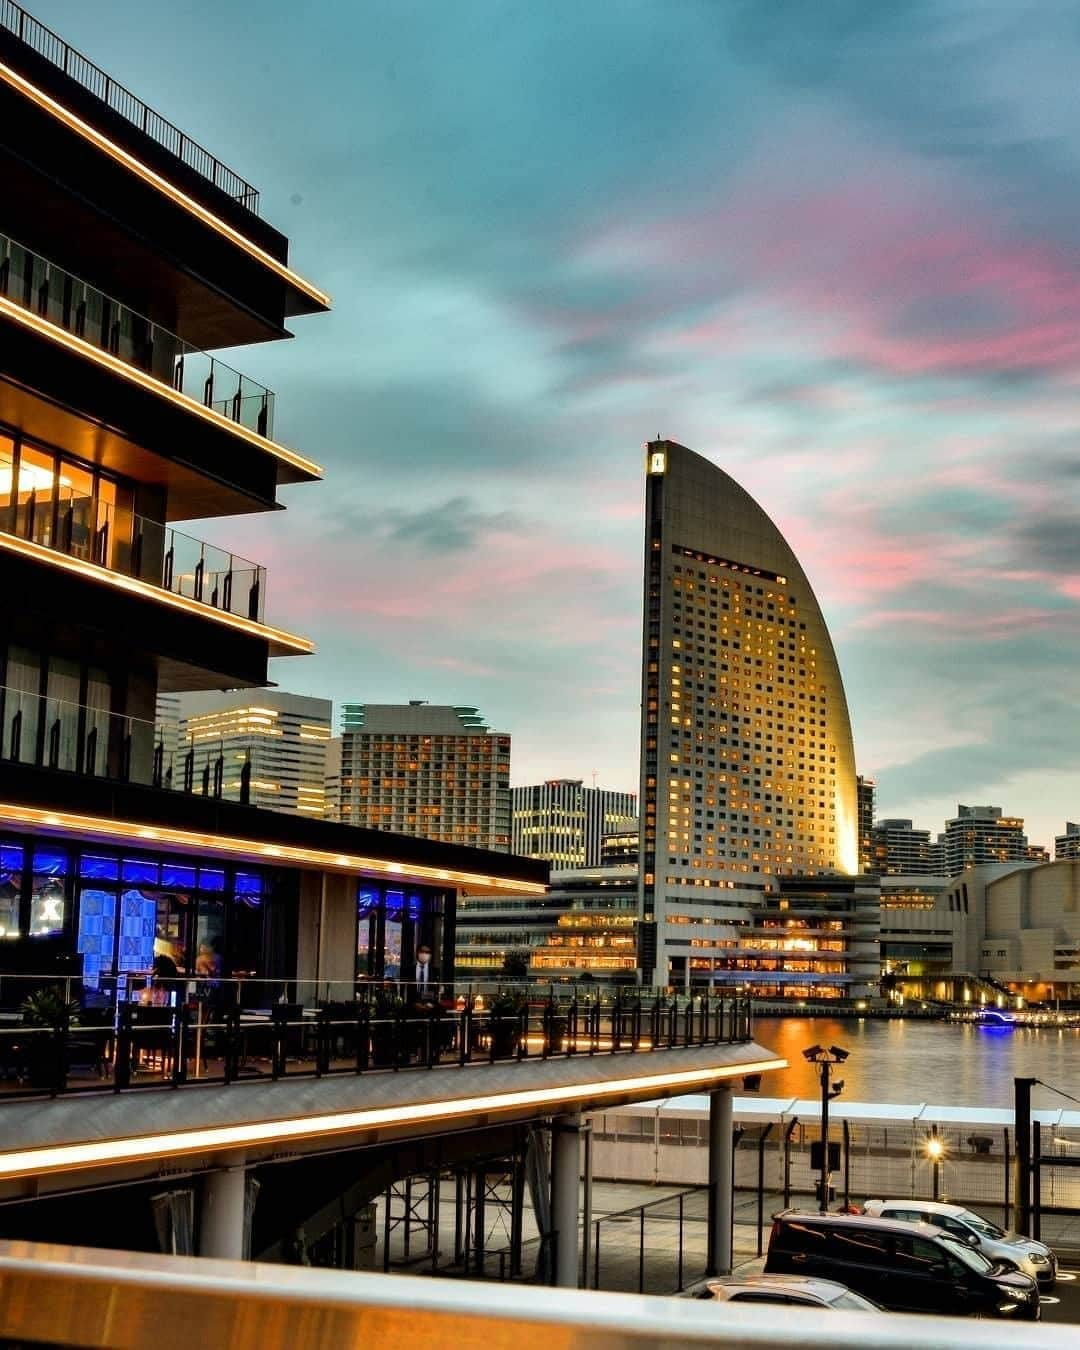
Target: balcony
{"x":55,"y":733}
{"x":15,"y":20}
{"x":60,"y":509}
{"x":123,"y":1031}
{"x":40,"y":287}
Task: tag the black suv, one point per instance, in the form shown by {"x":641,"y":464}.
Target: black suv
{"x":903,"y":1266}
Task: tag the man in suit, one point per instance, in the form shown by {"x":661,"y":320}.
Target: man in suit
{"x":423,"y":1003}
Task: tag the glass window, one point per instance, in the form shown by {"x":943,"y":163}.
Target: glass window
{"x":75,"y":516}
{"x":62,"y":714}
{"x":99,"y":868}
{"x":37,"y":474}
{"x":211,"y":879}
{"x":7,"y":481}
{"x":50,"y":862}
{"x":11,"y":858}
{"x":22,"y":705}
{"x":248,"y":883}
{"x":47,"y":905}
{"x":11,"y":864}
{"x":140,"y":869}
{"x":178,"y":874}
{"x":210,"y":937}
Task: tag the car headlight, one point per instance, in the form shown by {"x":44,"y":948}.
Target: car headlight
{"x":1038,"y":1259}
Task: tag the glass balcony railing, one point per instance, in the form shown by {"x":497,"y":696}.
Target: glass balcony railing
{"x":38,"y":285}
{"x":55,"y":733}
{"x":14,"y":19}
{"x":59,"y":508}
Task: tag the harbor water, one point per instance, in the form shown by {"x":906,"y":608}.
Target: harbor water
{"x":960,"y":1064}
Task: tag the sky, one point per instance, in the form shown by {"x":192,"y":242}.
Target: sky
{"x":833,"y":247}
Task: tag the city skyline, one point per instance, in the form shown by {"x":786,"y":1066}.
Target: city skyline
{"x":860,"y":310}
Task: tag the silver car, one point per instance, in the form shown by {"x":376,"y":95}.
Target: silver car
{"x":1033,"y":1258}
{"x":788,"y":1290}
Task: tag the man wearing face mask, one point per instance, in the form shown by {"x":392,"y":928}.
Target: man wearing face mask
{"x":424,"y":1008}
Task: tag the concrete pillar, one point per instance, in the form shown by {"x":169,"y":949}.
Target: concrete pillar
{"x":565,"y":1165}
{"x":222,"y":1214}
{"x":720,"y":1182}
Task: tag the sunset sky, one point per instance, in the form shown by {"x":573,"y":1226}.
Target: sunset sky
{"x":831,"y":246}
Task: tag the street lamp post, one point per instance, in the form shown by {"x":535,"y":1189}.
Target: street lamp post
{"x":826,"y":1061}
{"x":935,"y":1151}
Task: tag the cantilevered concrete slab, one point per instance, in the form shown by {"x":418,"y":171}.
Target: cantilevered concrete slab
{"x":50,"y":1146}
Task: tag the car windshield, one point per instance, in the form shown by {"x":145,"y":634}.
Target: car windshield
{"x":972,"y":1259}
{"x":982,"y":1226}
{"x":853,"y":1302}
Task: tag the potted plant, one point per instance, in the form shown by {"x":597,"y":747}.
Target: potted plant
{"x":47,"y":1008}
{"x":505,"y":1022}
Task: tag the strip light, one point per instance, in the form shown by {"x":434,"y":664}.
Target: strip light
{"x":292,"y":645}
{"x":108,"y":1152}
{"x":143,"y":171}
{"x":134,"y":375}
{"x":252,"y":850}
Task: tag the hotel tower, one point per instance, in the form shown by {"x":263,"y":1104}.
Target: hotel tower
{"x":747,"y":768}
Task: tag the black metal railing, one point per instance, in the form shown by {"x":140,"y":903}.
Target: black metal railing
{"x":124,"y":1045}
{"x":55,"y":733}
{"x":95,"y":81}
{"x":36,"y":284}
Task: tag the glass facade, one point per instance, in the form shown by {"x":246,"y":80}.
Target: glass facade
{"x":391,"y":922}
{"x":119,"y":911}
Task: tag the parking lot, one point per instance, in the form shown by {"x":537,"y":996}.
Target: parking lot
{"x":1063,"y":1305}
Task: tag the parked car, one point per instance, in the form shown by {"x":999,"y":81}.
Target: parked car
{"x":1033,"y":1258}
{"x":905,"y":1267}
{"x":790,"y":1290}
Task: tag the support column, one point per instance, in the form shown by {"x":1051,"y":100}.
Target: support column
{"x":565,"y":1165}
{"x":222,"y":1213}
{"x":720,"y":1182}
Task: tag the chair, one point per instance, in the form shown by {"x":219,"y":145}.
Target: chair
{"x":153,"y":1039}
{"x":343,"y":1028}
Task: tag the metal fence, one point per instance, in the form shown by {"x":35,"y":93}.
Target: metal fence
{"x":50,"y":1045}
{"x":61,"y":54}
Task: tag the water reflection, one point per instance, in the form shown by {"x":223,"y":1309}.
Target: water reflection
{"x":907,"y":1062}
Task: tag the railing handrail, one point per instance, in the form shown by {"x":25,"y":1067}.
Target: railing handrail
{"x":70,"y":1294}
{"x":122,"y":101}
{"x":184,"y":348}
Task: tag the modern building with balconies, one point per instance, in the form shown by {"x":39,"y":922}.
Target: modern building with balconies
{"x":128,"y":254}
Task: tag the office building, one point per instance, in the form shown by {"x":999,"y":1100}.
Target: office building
{"x":747,"y":767}
{"x":1067,"y":845}
{"x":810,"y":938}
{"x":866,"y":795}
{"x":585,"y":927}
{"x":1031,"y":930}
{"x":265,"y":746}
{"x":978,"y":834}
{"x":1036,"y":853}
{"x":433,"y":771}
{"x":901,"y":850}
{"x":620,"y":846}
{"x":565,"y":822}
{"x":129,"y":253}
{"x":332,"y":782}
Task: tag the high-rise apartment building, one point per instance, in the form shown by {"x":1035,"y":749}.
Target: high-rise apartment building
{"x":423,"y":769}
{"x":901,"y":850}
{"x":866,"y":794}
{"x":1067,"y":845}
{"x":747,"y":767}
{"x":978,"y":834}
{"x":266,"y":747}
{"x":565,"y":822}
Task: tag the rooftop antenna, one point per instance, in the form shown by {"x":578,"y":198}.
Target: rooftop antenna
{"x":595,"y":775}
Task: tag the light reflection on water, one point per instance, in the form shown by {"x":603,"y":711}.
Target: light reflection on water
{"x":901,"y":1061}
